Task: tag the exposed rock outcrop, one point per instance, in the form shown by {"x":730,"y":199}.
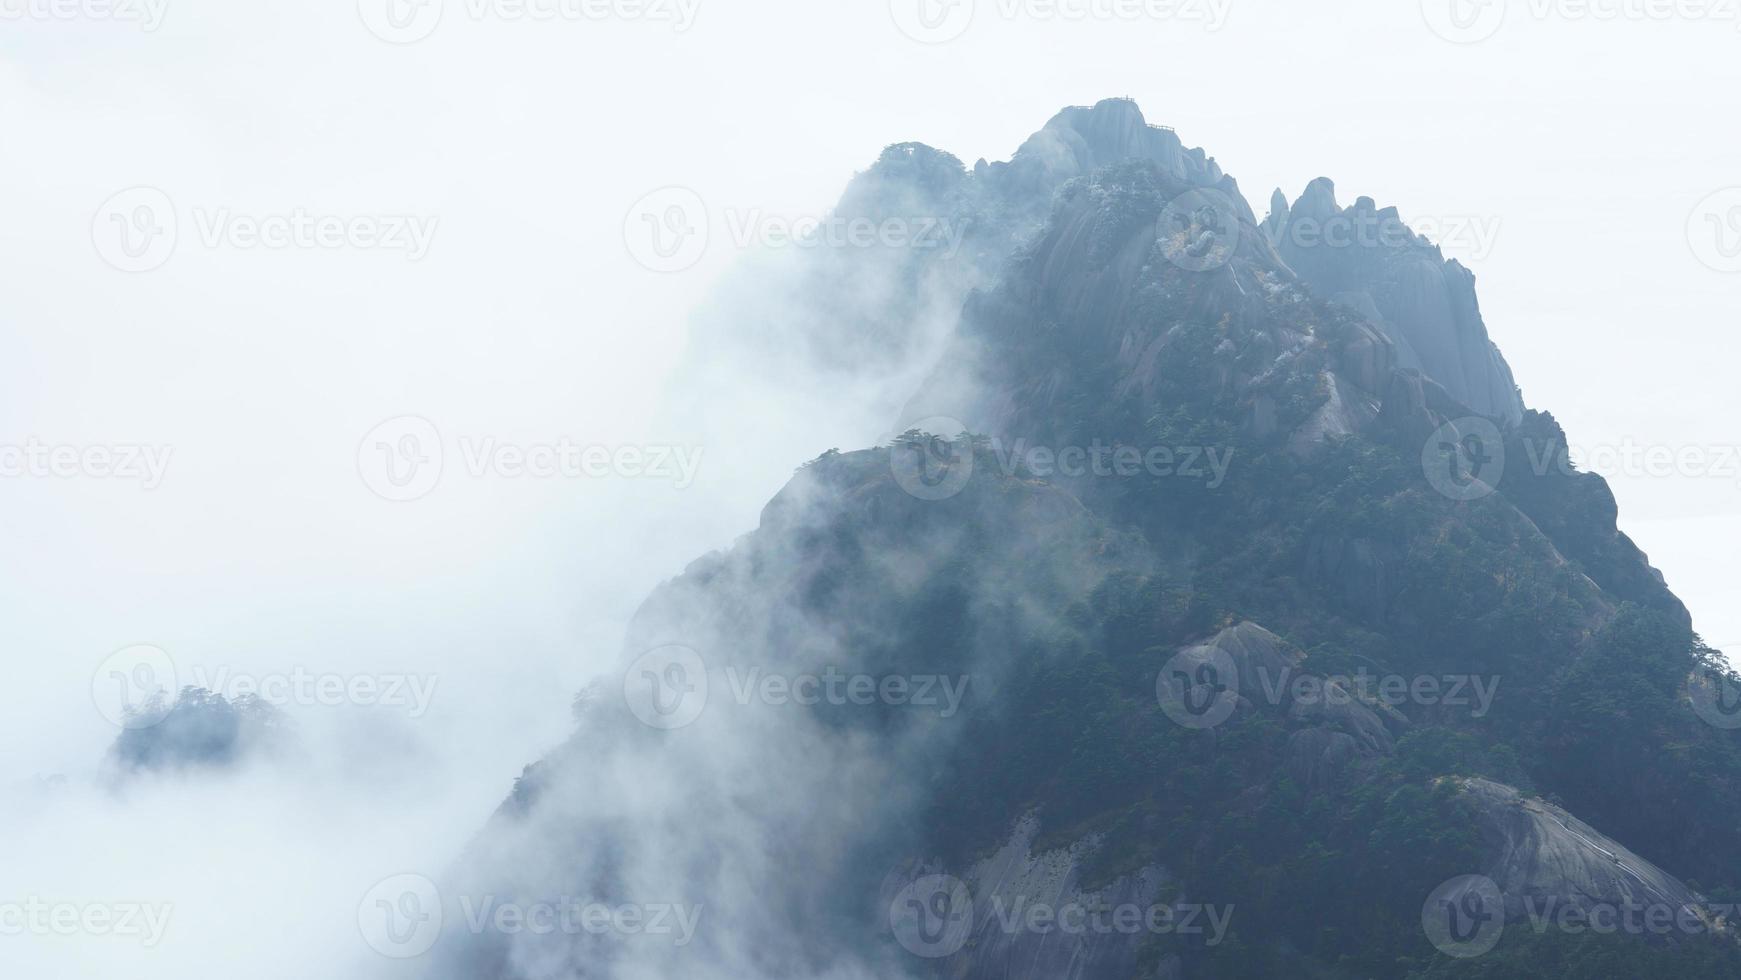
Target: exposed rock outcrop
{"x":1032,"y":918}
{"x":1579,"y":512}
{"x":1543,"y":857}
{"x":1367,"y":259}
{"x":1336,"y":727}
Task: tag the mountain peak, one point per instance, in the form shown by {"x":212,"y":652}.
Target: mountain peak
{"x":1082,"y":139}
{"x":1318,"y":201}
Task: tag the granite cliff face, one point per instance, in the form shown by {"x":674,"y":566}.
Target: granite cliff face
{"x":1304,"y":683}
{"x":1368,"y":260}
{"x":1543,"y":857}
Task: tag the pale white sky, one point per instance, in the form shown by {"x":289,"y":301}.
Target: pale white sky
{"x":1580,"y":148}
